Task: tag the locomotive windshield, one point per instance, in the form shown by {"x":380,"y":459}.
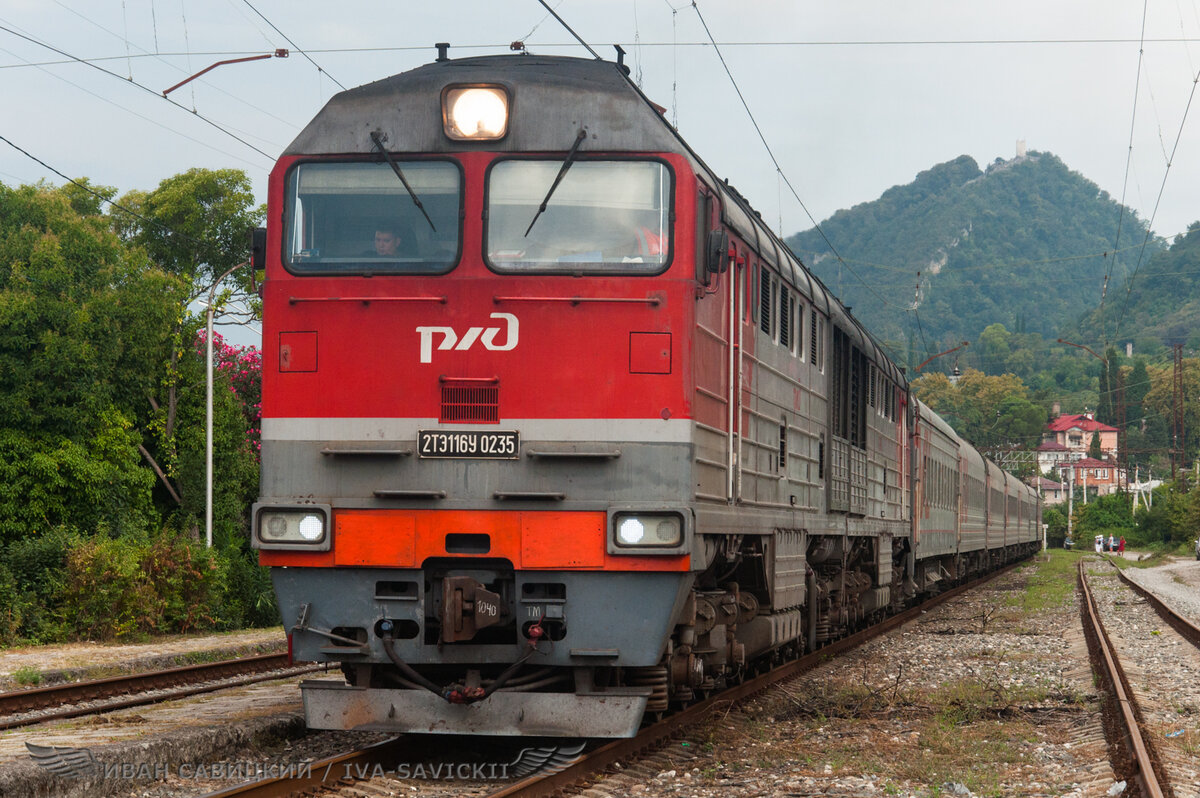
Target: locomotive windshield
{"x":359,"y":218}
{"x":605,"y":216}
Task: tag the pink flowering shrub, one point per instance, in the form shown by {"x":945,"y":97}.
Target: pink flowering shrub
{"x":243,"y":367}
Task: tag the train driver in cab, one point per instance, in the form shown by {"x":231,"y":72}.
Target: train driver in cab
{"x":388,"y":239}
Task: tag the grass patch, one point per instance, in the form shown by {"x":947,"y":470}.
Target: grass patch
{"x":1051,"y":583}
{"x":27,"y":676}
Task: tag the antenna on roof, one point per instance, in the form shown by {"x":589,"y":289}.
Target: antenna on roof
{"x":568,"y":27}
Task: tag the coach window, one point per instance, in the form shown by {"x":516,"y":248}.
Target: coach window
{"x":603,"y":217}
{"x":334,"y":212}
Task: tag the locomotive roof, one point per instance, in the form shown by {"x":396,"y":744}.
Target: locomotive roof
{"x":552,"y":97}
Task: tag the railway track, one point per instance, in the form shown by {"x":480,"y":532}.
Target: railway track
{"x":23,"y":707}
{"x":1186,"y":628}
{"x":380,"y":759}
{"x":1140,"y":764}
{"x":1162,"y":667}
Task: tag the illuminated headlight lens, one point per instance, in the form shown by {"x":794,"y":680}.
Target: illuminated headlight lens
{"x":312,"y":527}
{"x":649,"y":531}
{"x":475,"y":113}
{"x":630,"y":531}
{"x":277,"y":526}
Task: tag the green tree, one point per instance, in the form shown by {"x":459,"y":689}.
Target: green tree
{"x":196,"y":225}
{"x":99,"y":357}
{"x":1105,"y":515}
{"x":1094,"y":447}
{"x":986,"y":410}
{"x":1159,"y":402}
{"x":994,"y":347}
{"x":1056,"y":525}
{"x":1137,"y":384}
{"x":1110,"y":387}
{"x":76,"y":308}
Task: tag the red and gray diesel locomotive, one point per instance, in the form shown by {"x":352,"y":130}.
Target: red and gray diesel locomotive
{"x":556,"y":432}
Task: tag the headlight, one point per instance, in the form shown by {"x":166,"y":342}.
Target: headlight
{"x":475,"y":113}
{"x":292,"y":527}
{"x":645,"y":530}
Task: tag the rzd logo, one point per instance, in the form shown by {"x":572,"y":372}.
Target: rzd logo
{"x":485,"y":335}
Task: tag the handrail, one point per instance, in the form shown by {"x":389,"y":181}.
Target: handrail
{"x":578,"y":300}
{"x":366,"y":300}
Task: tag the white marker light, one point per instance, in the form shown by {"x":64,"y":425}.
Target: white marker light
{"x":630,"y":532}
{"x":475,"y":113}
{"x":311,"y":527}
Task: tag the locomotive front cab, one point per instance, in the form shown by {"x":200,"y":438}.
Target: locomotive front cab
{"x":474,"y":492}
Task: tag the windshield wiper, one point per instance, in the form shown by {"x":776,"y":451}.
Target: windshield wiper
{"x":562,"y":170}
{"x":396,"y":168}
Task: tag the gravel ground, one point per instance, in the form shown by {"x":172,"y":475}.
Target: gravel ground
{"x":1162,"y":668}
{"x":76,"y":661}
{"x":979,"y":697}
{"x":982,"y":696}
{"x":1177,"y":583}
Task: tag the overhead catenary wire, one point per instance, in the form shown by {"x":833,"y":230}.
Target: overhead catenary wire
{"x":295,"y":46}
{"x":1125,"y":182}
{"x":99,"y":196}
{"x":644,"y":44}
{"x":1158,"y":200}
{"x":146,"y":89}
{"x":779,"y":169}
{"x":569,"y":29}
{"x":725,"y":44}
{"x":143,"y":117}
{"x":161,"y":58}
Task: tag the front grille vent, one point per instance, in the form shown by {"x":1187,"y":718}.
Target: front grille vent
{"x":470,"y":402}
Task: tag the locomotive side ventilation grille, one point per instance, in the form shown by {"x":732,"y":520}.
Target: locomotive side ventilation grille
{"x":470,"y":402}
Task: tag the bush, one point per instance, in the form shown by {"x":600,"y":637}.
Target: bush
{"x":38,"y":567}
{"x":123,"y":588}
{"x":1056,"y":526}
{"x":187,"y":584}
{"x":1105,"y":515}
{"x":250,"y":597}
{"x":11,"y":606}
{"x":167,"y":584}
{"x":105,"y":595}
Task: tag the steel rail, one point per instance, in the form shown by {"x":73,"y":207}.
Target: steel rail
{"x":658,"y":733}
{"x":362,"y":760}
{"x":1141,"y":759}
{"x":1188,"y":630}
{"x":246,"y":670}
{"x":607,"y":754}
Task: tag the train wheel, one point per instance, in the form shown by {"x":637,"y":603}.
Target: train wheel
{"x":656,"y":678}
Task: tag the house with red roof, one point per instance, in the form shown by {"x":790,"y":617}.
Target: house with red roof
{"x":1064,"y":450}
{"x":1052,"y":492}
{"x":1073,"y":432}
{"x":1050,"y":454}
{"x":1096,"y":477}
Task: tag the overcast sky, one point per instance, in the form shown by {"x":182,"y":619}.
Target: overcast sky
{"x":852,"y":97}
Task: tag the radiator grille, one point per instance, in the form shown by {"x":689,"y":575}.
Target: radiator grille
{"x":470,"y":403}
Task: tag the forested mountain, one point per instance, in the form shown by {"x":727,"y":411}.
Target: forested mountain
{"x":1026,"y":244}
{"x":1160,"y":303}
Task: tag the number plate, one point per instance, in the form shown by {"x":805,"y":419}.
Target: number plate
{"x":479,"y":445}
